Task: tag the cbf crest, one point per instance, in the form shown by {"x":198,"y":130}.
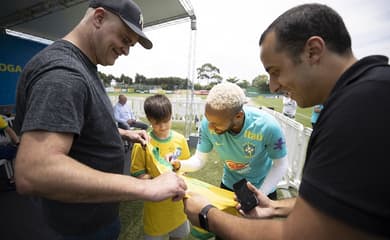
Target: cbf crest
{"x":249,"y":150}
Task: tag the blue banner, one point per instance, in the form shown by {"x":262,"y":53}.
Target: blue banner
{"x":15,"y":53}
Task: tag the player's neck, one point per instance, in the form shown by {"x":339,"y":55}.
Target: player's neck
{"x":237,"y":127}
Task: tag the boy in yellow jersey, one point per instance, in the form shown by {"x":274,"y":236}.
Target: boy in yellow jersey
{"x":165,"y":217}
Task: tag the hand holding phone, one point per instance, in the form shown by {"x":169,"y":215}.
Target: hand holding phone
{"x":245,"y":196}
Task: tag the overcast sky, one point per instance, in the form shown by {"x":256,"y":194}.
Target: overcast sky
{"x":229,"y":31}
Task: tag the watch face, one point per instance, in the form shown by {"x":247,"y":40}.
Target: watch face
{"x":203,"y":221}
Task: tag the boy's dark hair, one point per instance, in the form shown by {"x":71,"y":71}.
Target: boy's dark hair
{"x":295,"y":26}
{"x":158,"y":107}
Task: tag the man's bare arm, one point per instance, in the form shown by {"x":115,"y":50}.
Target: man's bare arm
{"x":43,"y":168}
{"x":303,"y":222}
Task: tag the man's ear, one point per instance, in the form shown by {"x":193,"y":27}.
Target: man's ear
{"x":98,"y":17}
{"x":239,"y":115}
{"x":314,"y":49}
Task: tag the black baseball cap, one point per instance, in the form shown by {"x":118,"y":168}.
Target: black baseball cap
{"x":129,"y":12}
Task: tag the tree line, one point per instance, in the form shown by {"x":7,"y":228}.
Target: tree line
{"x":208,"y":75}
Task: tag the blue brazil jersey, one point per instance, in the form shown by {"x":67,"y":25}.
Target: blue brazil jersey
{"x":249,"y":153}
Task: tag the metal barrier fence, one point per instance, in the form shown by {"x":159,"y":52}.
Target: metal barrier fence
{"x":178,"y":107}
{"x":297,"y":138}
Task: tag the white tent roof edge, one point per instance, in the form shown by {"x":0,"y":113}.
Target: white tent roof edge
{"x":47,"y":20}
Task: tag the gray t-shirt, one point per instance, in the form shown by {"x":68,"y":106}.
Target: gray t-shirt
{"x":59,"y":91}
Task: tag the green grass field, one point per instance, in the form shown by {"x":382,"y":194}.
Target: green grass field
{"x":303,"y":115}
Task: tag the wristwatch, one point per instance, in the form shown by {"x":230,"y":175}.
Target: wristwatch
{"x":203,"y":221}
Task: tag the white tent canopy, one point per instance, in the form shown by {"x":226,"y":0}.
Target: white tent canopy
{"x":52,"y":19}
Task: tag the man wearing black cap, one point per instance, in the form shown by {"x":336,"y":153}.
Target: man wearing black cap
{"x":71,"y":152}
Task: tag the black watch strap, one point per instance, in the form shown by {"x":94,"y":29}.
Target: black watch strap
{"x":203,"y":222}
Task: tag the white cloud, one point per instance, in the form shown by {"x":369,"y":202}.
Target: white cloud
{"x":229,"y":31}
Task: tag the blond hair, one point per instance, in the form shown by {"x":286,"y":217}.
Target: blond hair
{"x":226,"y":96}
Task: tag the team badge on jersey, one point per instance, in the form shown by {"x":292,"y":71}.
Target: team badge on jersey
{"x":249,"y":150}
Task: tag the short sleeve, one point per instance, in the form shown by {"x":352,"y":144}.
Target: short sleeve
{"x":275,"y":141}
{"x":204,"y":144}
{"x":185,"y":154}
{"x":56,"y":103}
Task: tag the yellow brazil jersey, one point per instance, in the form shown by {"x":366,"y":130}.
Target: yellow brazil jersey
{"x":162,"y":217}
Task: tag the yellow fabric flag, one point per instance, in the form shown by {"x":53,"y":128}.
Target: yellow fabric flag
{"x":155,"y":165}
{"x":221,"y":198}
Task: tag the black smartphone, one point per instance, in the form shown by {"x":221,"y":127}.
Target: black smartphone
{"x":245,"y":196}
